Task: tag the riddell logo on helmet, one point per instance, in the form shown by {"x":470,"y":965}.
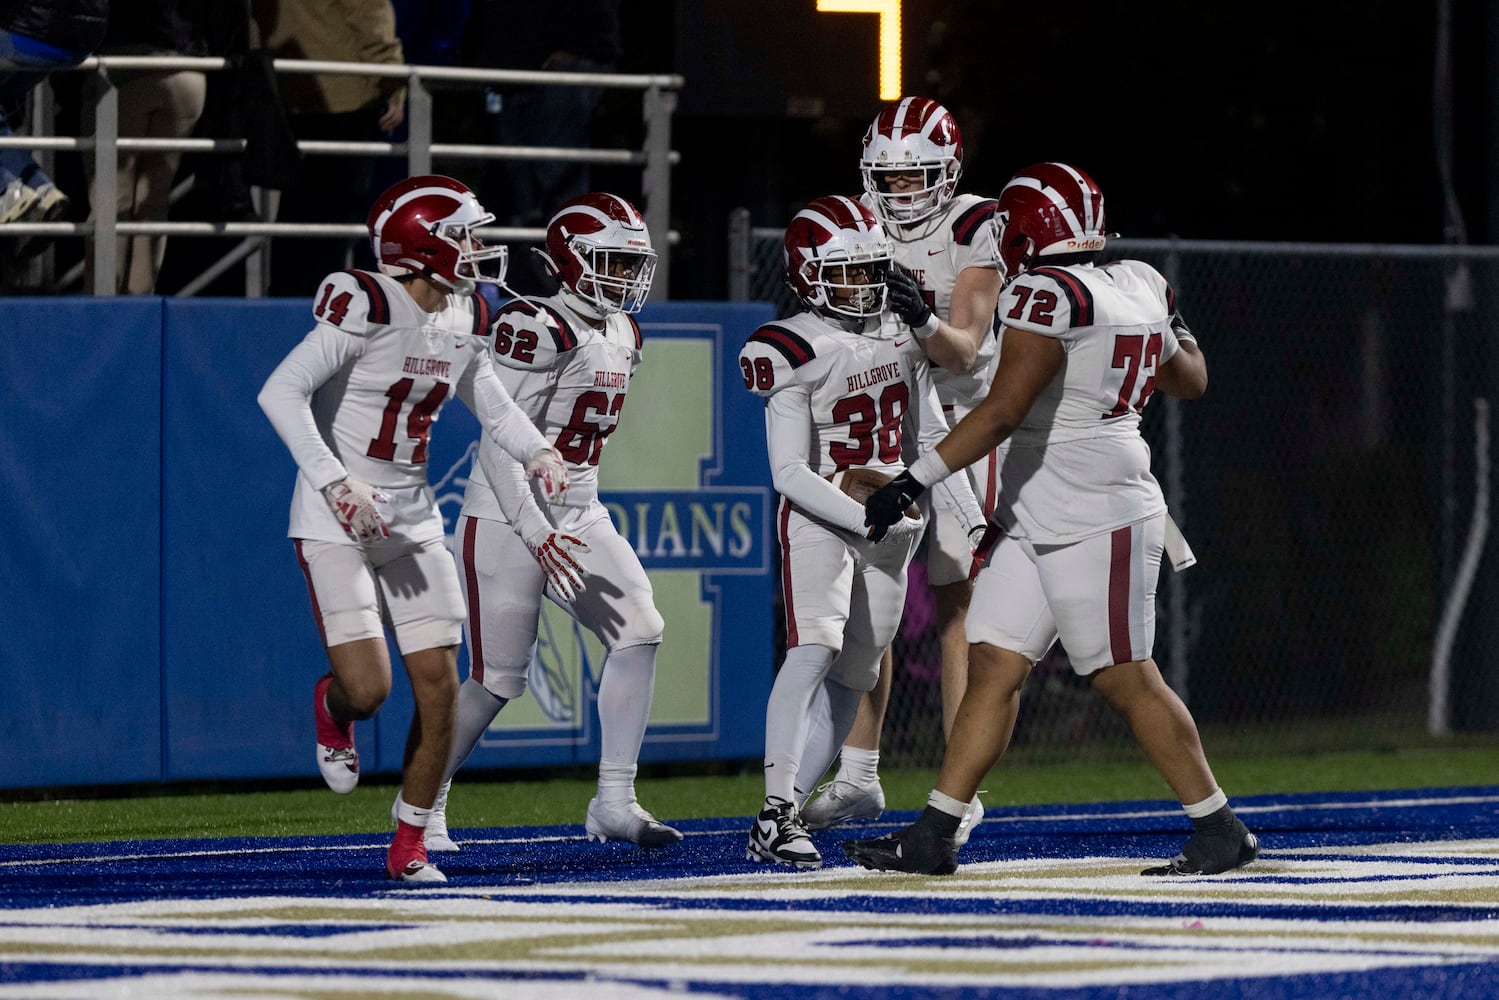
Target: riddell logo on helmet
{"x":1085,"y":244}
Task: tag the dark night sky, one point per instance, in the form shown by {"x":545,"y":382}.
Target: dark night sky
{"x":1272,"y":121}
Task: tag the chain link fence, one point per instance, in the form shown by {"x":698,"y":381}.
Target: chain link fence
{"x":1326,"y":482}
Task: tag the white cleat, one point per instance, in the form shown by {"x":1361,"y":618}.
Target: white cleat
{"x":779,"y":835}
{"x":418,"y":871}
{"x":840,"y":801}
{"x":627,"y":820}
{"x":337,"y":760}
{"x":972,"y":817}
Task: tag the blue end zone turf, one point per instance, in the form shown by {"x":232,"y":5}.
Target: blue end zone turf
{"x":1370,"y":895}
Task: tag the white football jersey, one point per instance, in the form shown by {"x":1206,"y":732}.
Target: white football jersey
{"x":378,"y":369}
{"x":570,"y":379}
{"x":861,"y":387}
{"x":935,"y":250}
{"x":1077,"y":465}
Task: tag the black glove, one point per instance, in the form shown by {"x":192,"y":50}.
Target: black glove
{"x":888,"y":504}
{"x":905,"y":298}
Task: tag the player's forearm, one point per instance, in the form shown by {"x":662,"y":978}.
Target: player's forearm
{"x":815,"y":496}
{"x":286,"y":401}
{"x":504,"y":422}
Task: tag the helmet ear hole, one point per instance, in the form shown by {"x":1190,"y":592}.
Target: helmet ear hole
{"x":548,"y":263}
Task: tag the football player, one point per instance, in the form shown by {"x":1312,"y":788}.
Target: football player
{"x":567,"y":360}
{"x":1077,"y":536}
{"x":840,"y":402}
{"x":943,"y":288}
{"x":355,"y":402}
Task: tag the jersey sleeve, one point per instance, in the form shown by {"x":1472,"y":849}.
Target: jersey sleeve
{"x":528,"y":336}
{"x":973,"y":238}
{"x":770,"y":357}
{"x":351,"y":301}
{"x":286,"y":399}
{"x":1046,"y":300}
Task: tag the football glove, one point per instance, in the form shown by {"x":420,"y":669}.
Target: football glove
{"x":888,"y":504}
{"x":553,"y":552}
{"x":905,"y":298}
{"x":353,"y":503}
{"x":898,"y":533}
{"x":547,"y":467}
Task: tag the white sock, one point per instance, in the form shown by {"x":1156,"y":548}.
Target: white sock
{"x":616,"y":782}
{"x":946,"y":803}
{"x":407,"y":813}
{"x":629,"y":679}
{"x":788,"y":715}
{"x":1207,"y":806}
{"x":477,"y":708}
{"x":858,"y":766}
{"x":841,"y":704}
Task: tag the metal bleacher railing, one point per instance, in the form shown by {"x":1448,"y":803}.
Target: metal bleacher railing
{"x":655,"y":158}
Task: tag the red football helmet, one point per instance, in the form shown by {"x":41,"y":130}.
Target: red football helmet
{"x":599,"y":248}
{"x":837,"y":256}
{"x":425,"y":225}
{"x":1045,"y":210}
{"x":913,"y":133}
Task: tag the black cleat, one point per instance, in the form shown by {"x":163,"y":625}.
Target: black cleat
{"x":910,"y":850}
{"x":1213,"y":850}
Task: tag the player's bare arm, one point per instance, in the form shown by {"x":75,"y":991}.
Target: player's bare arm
{"x":958,"y":340}
{"x":1027,"y":364}
{"x":1185,"y":375}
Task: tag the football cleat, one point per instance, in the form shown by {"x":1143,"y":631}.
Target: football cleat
{"x":778,"y":835}
{"x":910,"y":850}
{"x":1213,"y":851}
{"x":626,"y":819}
{"x":414,"y":869}
{"x":840,"y":801}
{"x":972,"y":817}
{"x":337,"y":759}
{"x":436,"y":834}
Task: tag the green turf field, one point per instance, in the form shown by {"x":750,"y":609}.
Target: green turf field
{"x":489,"y":800}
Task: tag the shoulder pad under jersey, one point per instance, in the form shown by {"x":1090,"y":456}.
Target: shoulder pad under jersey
{"x":770,"y":358}
{"x":1047,"y":300}
{"x":529,"y":334}
{"x":352,"y":301}
{"x":972,"y":222}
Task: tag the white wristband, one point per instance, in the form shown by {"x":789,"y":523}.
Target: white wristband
{"x":929,"y":469}
{"x":928,"y":328}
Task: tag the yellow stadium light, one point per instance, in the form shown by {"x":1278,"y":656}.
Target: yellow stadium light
{"x":889,"y":11}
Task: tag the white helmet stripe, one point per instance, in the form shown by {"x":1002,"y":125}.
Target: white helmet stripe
{"x":1089,"y":209}
{"x":1056,"y":199}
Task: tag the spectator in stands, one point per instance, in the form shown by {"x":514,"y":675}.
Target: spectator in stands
{"x":157,"y":105}
{"x":336,"y":107}
{"x":564,"y":36}
{"x":39,"y":35}
{"x":1080,"y":524}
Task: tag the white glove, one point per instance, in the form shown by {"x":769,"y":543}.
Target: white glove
{"x":903,"y":532}
{"x":354,"y":504}
{"x":547,"y":466}
{"x":553,"y":551}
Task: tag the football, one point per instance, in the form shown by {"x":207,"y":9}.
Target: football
{"x":860,"y":483}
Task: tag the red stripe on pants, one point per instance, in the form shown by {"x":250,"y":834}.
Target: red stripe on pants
{"x":471,"y":583}
{"x":1119,"y":574}
{"x":317,"y":612}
